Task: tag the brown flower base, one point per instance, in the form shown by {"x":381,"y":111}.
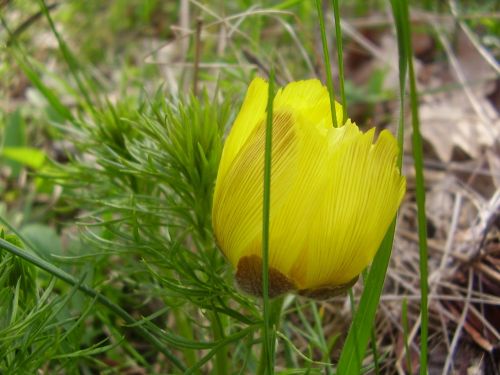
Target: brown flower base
{"x":327,"y":292}
{"x":249,"y":279}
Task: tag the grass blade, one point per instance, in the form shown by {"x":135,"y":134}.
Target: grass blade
{"x":403,"y":69}
{"x":406,"y":330}
{"x":402,"y":20}
{"x":69,"y":57}
{"x":326,"y":56}
{"x":267,"y":347}
{"x":338,"y":39}
{"x":418,"y":158}
{"x":361,"y":326}
{"x":53,"y":100}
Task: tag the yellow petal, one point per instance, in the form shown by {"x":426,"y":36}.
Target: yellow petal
{"x":252,"y":113}
{"x":309,"y":98}
{"x":359,"y":202}
{"x":237,"y":210}
{"x":290,"y":223}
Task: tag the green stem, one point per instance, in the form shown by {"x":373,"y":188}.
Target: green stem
{"x":352,"y":302}
{"x":418,"y":158}
{"x":186,"y":331}
{"x":326,"y":56}
{"x":261,"y":369}
{"x":403,"y":69}
{"x":404,"y":313}
{"x":274,"y":320}
{"x":266,"y":208}
{"x":275,"y":313}
{"x":60,"y":274}
{"x":222,"y":354}
{"x":338,"y":38}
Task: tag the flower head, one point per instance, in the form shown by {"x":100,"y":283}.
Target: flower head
{"x":334,"y":193}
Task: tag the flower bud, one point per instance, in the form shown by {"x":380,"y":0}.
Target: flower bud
{"x":334,"y":193}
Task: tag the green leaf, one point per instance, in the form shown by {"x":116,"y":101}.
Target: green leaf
{"x":27,"y":156}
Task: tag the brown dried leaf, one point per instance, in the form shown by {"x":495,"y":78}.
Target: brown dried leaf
{"x":449,"y":121}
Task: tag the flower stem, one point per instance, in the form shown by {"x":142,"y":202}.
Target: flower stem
{"x":222,"y":354}
{"x":338,"y":38}
{"x":266,"y":209}
{"x":274,"y":321}
{"x":183,"y":324}
{"x":326,"y":57}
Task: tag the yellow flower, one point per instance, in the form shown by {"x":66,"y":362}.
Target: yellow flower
{"x":334,"y":193}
